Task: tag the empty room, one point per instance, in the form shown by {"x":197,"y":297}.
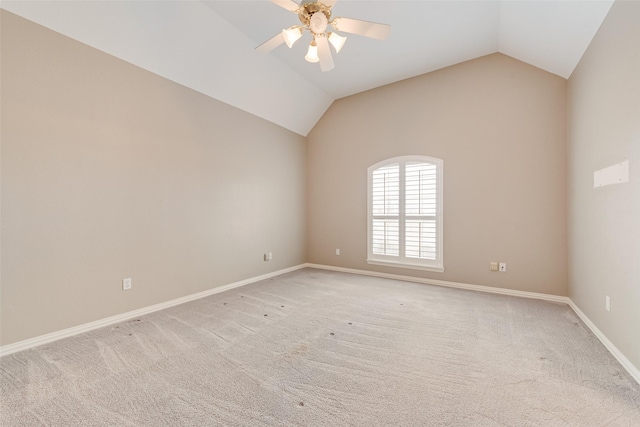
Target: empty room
{"x":320,"y":213}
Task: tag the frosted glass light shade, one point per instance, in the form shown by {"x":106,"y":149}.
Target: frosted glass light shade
{"x":312,"y":53}
{"x":337,"y":41}
{"x":291,"y":35}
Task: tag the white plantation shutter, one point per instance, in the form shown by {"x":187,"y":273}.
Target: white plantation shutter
{"x":420,"y":212}
{"x":405,"y":213}
{"x":385,"y":195}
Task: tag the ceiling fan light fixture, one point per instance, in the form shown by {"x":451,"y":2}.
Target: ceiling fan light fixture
{"x":315,"y":17}
{"x":337,"y":41}
{"x":318,"y":23}
{"x":291,"y":35}
{"x":312,"y":53}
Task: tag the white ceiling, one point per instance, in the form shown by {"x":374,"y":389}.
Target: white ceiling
{"x":209,"y":45}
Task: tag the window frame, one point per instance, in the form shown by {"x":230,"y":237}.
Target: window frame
{"x":401,"y":261}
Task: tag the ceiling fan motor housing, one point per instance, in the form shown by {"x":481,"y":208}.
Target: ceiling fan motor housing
{"x":309,"y":7}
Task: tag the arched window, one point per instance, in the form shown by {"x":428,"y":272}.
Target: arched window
{"x":405,"y":213}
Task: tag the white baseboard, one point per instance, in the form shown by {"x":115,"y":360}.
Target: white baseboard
{"x":65,"y":333}
{"x":54,"y":336}
{"x":626,"y":363}
{"x":458,"y":285}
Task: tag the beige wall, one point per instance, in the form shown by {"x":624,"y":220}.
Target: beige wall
{"x":604,"y":223}
{"x":109,"y":171}
{"x":499,"y":125}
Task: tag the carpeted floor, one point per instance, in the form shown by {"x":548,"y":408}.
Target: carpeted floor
{"x":320,"y":348}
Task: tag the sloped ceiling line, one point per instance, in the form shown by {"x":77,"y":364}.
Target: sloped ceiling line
{"x":209,"y":45}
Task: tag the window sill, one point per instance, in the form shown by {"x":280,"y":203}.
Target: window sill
{"x":405,"y":265}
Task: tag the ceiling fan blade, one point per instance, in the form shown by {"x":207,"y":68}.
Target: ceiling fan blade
{"x":290,"y":5}
{"x":363,"y":28}
{"x":324,"y":53}
{"x":271,"y":44}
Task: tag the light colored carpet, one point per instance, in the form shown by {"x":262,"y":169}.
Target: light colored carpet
{"x":320,"y":348}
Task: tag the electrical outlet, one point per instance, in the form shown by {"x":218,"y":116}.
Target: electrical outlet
{"x":607,"y":303}
{"x":502,"y":267}
{"x":268,"y":256}
{"x":126,"y":284}
{"x":337,"y":251}
{"x":493,"y":266}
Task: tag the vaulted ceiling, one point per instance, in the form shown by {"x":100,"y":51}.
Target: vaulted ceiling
{"x":209,"y":45}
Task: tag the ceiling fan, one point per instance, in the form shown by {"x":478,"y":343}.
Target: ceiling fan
{"x":315,"y":16}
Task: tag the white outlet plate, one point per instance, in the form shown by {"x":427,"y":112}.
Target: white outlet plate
{"x":607,"y":303}
{"x":126,"y":284}
{"x":337,"y":251}
{"x":502,"y":267}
